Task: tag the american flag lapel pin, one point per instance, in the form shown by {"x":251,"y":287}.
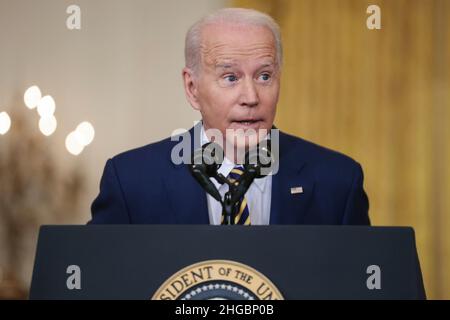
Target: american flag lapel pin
{"x":296,"y":190}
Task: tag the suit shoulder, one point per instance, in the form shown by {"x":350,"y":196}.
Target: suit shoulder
{"x":314,"y":153}
{"x":151,"y":154}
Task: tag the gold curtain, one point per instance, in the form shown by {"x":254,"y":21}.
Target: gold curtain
{"x":382,"y":97}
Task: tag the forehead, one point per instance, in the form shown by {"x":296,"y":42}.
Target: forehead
{"x":233,"y":42}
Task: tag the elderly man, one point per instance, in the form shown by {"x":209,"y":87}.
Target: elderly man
{"x":232,"y":77}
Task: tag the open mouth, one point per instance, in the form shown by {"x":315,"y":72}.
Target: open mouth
{"x":247,"y":122}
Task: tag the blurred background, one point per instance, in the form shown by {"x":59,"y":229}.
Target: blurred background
{"x":380,"y":96}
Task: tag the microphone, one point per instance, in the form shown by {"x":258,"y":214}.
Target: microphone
{"x":255,"y":159}
{"x":259,"y":158}
{"x":205,"y":163}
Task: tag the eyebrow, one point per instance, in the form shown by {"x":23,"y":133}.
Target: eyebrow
{"x":229,"y":65}
{"x":265,"y":65}
{"x":226,"y":65}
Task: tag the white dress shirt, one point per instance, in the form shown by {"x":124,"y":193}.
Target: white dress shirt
{"x":258,"y":195}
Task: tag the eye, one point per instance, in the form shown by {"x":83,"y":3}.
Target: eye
{"x":230,"y":78}
{"x":265,"y":77}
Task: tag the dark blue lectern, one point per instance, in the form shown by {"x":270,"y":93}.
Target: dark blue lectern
{"x":192,"y":262}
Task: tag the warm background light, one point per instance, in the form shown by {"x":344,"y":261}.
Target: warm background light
{"x":73,"y":145}
{"x":47,"y":125}
{"x":5,"y":122}
{"x":32,"y":97}
{"x":85,"y":133}
{"x":46,"y":106}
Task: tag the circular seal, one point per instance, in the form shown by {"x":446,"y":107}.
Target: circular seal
{"x":218,"y":280}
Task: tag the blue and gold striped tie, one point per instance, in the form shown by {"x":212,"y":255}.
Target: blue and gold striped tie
{"x":243,"y":216}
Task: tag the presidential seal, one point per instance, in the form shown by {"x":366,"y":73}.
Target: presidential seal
{"x":218,"y":280}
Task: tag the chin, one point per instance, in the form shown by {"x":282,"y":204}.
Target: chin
{"x":245,"y":138}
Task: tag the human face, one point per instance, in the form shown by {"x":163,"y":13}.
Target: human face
{"x":238,"y":82}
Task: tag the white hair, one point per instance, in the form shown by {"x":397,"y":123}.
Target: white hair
{"x":247,"y":17}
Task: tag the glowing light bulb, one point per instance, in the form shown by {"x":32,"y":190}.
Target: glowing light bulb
{"x":5,"y":123}
{"x":46,"y":107}
{"x":85,"y":133}
{"x":47,"y":125}
{"x":73,"y":145}
{"x":32,"y":97}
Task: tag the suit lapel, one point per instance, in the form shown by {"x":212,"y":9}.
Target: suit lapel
{"x":186,"y":197}
{"x":288,"y":207}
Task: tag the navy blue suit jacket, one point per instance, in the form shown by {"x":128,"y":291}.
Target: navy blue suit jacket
{"x":144,"y":186}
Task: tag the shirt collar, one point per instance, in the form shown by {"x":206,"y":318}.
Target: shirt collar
{"x":228,"y":165}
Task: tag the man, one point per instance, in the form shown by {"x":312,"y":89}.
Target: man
{"x":232,"y":77}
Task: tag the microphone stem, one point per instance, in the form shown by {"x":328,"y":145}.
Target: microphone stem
{"x":227,"y":208}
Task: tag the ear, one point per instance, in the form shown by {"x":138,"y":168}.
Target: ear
{"x":191,"y":87}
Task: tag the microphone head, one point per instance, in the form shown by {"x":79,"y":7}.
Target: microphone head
{"x":258,"y":158}
{"x":208,"y":158}
{"x":205,"y":162}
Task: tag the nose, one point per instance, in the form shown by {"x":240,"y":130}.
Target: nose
{"x":249,"y":96}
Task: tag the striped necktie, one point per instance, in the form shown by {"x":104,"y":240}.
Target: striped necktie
{"x":243,"y":216}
